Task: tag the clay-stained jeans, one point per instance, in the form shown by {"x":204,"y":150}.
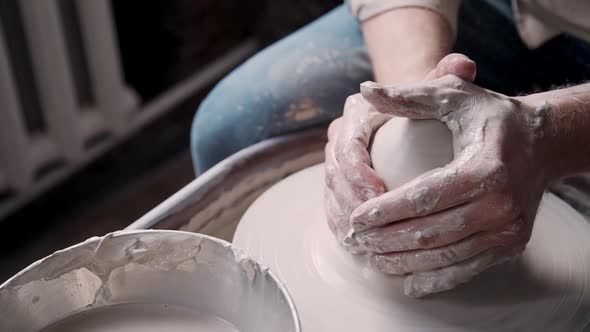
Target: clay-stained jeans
{"x":304,"y":79}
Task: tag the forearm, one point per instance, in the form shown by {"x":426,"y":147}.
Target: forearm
{"x":564,"y":135}
{"x":406,"y":43}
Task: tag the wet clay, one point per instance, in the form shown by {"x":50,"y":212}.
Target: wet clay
{"x":420,"y":145}
{"x":545,"y":289}
{"x":141,"y":318}
{"x":401,"y":150}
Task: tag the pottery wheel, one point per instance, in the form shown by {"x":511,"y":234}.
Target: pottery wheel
{"x":546,"y":289}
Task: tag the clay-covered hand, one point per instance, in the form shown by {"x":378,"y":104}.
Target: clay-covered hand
{"x":451,"y":223}
{"x":350,"y":180}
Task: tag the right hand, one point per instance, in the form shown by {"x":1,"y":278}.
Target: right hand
{"x":350,"y":180}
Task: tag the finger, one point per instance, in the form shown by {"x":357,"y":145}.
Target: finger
{"x":426,"y":100}
{"x":454,"y":64}
{"x":344,"y":195}
{"x":360,"y":120}
{"x":426,"y":283}
{"x":338,"y":208}
{"x":333,"y":129}
{"x":433,"y":191}
{"x":432,"y":231}
{"x":431,"y":259}
{"x":351,"y":148}
{"x":337,"y":221}
{"x":355,"y":165}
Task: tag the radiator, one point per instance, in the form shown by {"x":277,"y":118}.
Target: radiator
{"x":63,"y":99}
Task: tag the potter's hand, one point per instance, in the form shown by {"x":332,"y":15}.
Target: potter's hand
{"x":350,"y":180}
{"x":451,"y":223}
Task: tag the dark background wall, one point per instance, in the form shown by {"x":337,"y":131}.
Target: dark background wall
{"x":161,"y":43}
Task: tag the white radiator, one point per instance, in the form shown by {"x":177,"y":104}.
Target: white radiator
{"x":63,"y":99}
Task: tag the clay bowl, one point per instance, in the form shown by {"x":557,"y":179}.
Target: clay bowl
{"x":168,"y":268}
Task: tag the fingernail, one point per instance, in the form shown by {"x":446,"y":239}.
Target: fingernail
{"x":360,"y":238}
{"x":350,"y":243}
{"x":362,"y":221}
{"x":377,"y":262}
{"x":413,"y":287}
{"x":456,"y":56}
{"x":369,"y":89}
{"x":370,"y":85}
{"x":463,"y":58}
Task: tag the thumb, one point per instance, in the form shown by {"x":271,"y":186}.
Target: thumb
{"x":431,"y":99}
{"x":426,"y":100}
{"x":454,"y":64}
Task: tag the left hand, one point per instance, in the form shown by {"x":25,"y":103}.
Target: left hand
{"x":451,"y":223}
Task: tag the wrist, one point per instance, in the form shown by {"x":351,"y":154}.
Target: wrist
{"x":534,"y":110}
{"x":551,"y":159}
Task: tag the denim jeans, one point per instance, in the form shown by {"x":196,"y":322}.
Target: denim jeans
{"x":303,"y":80}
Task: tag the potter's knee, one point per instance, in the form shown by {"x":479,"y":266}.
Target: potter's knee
{"x":220,"y":128}
{"x":207,"y":136}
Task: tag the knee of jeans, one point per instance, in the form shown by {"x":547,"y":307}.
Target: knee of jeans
{"x":222,"y":126}
{"x":207,"y":141}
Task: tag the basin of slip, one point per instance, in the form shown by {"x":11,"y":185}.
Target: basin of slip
{"x":146,"y":281}
{"x":546,"y":289}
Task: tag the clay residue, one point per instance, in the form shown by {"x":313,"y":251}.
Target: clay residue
{"x":302,"y":111}
{"x":424,"y":199}
{"x":142,"y":317}
{"x":89,"y":274}
{"x":537,"y":120}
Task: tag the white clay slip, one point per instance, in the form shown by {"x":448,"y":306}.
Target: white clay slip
{"x":141,"y":317}
{"x":420,"y":145}
{"x":129,"y":278}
